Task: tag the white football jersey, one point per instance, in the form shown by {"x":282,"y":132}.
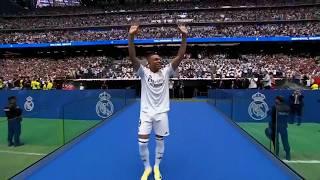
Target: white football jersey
{"x":155,"y":89}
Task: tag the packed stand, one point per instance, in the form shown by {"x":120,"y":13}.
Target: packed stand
{"x":300,"y":13}
{"x":13,"y":70}
{"x":293,"y":29}
{"x":114,"y":6}
{"x":18,"y":73}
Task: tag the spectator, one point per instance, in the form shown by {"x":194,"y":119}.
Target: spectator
{"x":296,"y":105}
{"x":181,"y":89}
{"x":315,"y":86}
{"x":81,"y":86}
{"x":1,"y":83}
{"x":278,"y":125}
{"x":13,"y":113}
{"x":104,"y":85}
{"x":266,"y":80}
{"x":253,"y":83}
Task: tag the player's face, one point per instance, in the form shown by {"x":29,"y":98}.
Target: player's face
{"x":154,"y":62}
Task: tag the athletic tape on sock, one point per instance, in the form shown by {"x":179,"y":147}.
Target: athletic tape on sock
{"x":143,"y":140}
{"x":159,"y":139}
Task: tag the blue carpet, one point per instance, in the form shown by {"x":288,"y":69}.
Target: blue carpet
{"x":202,"y":146}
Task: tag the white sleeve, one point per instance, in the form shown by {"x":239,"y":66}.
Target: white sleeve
{"x":140,"y":71}
{"x":168,"y":70}
{"x":268,"y":78}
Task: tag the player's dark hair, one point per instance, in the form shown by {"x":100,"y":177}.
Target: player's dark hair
{"x":150,"y":53}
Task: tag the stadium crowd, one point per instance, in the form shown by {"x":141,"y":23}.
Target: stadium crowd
{"x":36,"y":73}
{"x":114,"y":6}
{"x":301,"y":13}
{"x":291,"y":29}
{"x":15,"y":71}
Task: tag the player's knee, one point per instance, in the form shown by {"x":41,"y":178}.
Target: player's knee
{"x":159,"y":144}
{"x":143,"y":143}
{"x":159,"y":138}
{"x":143,"y":136}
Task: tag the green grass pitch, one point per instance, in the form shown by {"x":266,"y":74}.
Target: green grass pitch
{"x":304,"y":142}
{"x":41,"y":136}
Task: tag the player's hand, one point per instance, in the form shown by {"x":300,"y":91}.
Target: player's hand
{"x":134,"y":29}
{"x":183,"y":30}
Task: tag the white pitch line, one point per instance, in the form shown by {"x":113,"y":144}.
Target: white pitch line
{"x":302,"y":161}
{"x":23,"y":153}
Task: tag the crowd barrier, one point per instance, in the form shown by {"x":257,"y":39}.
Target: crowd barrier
{"x":58,"y":104}
{"x":256,"y":105}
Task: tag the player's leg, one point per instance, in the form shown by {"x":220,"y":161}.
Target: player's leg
{"x":144,"y":154}
{"x":273,"y":138}
{"x":17,"y":132}
{"x":159,"y":156}
{"x":299,"y":114}
{"x":145,"y":127}
{"x":276,"y":143}
{"x":161,"y":128}
{"x":144,"y":150}
{"x":285,"y":142}
{"x":159,"y":149}
{"x":294,"y":113}
{"x":10,"y":133}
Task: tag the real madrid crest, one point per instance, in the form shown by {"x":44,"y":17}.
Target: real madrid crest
{"x":104,"y":106}
{"x":258,"y":108}
{"x":29,"y":105}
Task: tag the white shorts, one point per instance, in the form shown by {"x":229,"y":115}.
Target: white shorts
{"x":158,"y":122}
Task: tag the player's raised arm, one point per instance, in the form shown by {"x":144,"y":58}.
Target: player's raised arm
{"x":176,"y":61}
{"x":132,"y":51}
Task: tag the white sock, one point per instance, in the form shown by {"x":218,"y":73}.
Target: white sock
{"x":144,"y":152}
{"x":159,"y":150}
